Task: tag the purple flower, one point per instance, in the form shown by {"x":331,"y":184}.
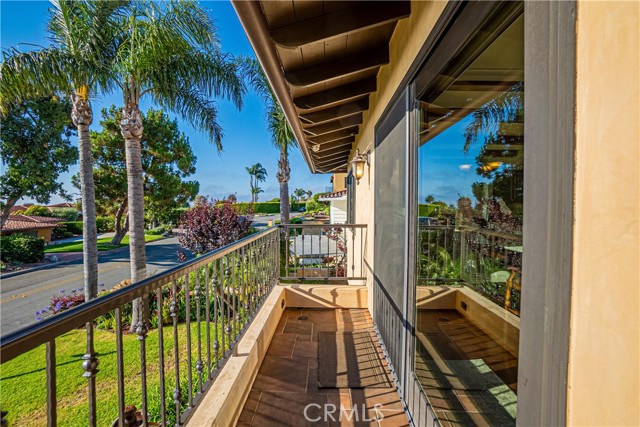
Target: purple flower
{"x":58,"y":306}
{"x":61,"y":291}
{"x":38,"y":318}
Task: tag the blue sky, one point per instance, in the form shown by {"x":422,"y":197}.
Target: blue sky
{"x":246,"y":138}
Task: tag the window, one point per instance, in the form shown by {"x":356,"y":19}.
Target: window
{"x":470,"y":138}
{"x":351,"y":198}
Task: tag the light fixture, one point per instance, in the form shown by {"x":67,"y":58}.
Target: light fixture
{"x":357,"y":164}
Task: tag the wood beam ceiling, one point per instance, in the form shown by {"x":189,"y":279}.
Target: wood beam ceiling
{"x":331,"y":137}
{"x":337,"y":95}
{"x":333,"y":126}
{"x":372,"y":59}
{"x":335,"y":113}
{"x":359,"y":17}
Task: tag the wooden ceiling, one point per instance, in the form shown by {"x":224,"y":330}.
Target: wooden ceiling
{"x":322,"y":59}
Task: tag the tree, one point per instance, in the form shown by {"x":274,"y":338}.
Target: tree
{"x":171,"y":54}
{"x":430,"y":199}
{"x":35,"y":148}
{"x":257,"y":173}
{"x":166,"y":157}
{"x":281,"y":133}
{"x":79,"y":63}
{"x":211,"y":225}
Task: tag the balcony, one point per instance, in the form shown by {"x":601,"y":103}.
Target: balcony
{"x":232,"y":339}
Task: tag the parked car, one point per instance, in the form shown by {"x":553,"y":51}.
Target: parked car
{"x":302,"y":209}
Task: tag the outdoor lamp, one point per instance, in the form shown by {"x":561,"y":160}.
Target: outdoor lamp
{"x":357,"y":164}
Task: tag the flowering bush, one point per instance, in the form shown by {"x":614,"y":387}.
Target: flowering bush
{"x":212,"y":224}
{"x":340,"y":261}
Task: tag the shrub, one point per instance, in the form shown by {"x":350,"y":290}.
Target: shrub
{"x":105,"y":224}
{"x":60,"y":232}
{"x":22,"y":248}
{"x":296,"y":220}
{"x":74,"y":227}
{"x":314,"y":205}
{"x":68,"y":214}
{"x":210,"y":225}
{"x":271,"y":207}
{"x":60,"y":303}
{"x":37,"y":210}
{"x":159,"y":230}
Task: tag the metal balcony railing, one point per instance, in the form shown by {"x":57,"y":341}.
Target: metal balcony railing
{"x":329,"y":252}
{"x":205,"y":304}
{"x":199,"y":311}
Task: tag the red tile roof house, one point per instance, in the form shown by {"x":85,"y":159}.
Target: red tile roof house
{"x":37,"y":226}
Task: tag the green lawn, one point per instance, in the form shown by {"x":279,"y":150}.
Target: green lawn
{"x":22,"y":380}
{"x":103,"y":244}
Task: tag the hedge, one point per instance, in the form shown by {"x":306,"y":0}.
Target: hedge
{"x":103,"y":223}
{"x":264,"y":207}
{"x":429,"y":209}
{"x":22,"y":248}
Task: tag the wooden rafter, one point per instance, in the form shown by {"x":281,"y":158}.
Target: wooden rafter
{"x":329,"y":127}
{"x":335,"y":113}
{"x":370,"y":60}
{"x":340,"y":94}
{"x":361,"y":16}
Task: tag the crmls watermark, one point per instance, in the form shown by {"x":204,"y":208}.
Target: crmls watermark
{"x":315,"y":412}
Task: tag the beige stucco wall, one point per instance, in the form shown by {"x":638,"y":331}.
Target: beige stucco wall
{"x":408,"y":38}
{"x":604,"y":359}
{"x":339,"y":181}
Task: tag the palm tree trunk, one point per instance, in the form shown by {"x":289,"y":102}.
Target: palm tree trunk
{"x":82,"y":117}
{"x":6,"y":209}
{"x":131,"y":128}
{"x":121,"y":229}
{"x":283,"y":176}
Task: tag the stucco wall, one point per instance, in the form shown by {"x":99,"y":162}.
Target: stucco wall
{"x":604,"y":355}
{"x":408,"y":38}
{"x":339,"y":182}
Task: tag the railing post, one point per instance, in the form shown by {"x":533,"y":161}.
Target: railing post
{"x":142,"y":330}
{"x":173,"y":312}
{"x":52,"y":415}
{"x":90,"y":367}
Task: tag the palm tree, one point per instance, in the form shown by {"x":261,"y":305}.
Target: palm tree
{"x":172,"y":55}
{"x":257,"y":173}
{"x":254,"y":193}
{"x":281,"y":133}
{"x":79,"y":64}
{"x":300,"y":194}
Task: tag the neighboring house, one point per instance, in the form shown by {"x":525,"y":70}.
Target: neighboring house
{"x":337,"y":206}
{"x":438,"y":101}
{"x":36,"y":226}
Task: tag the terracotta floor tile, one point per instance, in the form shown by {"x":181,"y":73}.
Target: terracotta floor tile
{"x":298,"y":327}
{"x":305,"y":349}
{"x":249,"y":407}
{"x":282,"y":374}
{"x":281,"y":345}
{"x":392,"y":419}
{"x":387,"y":397}
{"x":280,"y":409}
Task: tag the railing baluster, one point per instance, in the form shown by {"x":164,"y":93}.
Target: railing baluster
{"x":142,"y":330}
{"x":52,"y":410}
{"x":120,"y":366}
{"x":163,"y":411}
{"x":187,"y":300}
{"x":199,"y":366}
{"x":90,"y":367}
{"x":216,"y":310}
{"x":173,"y":310}
{"x":236,"y":312}
{"x":207,"y":313}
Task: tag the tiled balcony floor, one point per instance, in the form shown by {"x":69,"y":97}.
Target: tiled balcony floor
{"x":287,"y":379}
{"x":470,"y":380}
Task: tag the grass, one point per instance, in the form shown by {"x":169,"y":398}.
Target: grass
{"x":103,"y":244}
{"x":22,"y":380}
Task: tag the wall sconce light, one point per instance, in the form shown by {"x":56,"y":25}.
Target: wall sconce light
{"x":357,"y":164}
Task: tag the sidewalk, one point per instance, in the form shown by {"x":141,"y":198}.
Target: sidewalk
{"x":78,"y":238}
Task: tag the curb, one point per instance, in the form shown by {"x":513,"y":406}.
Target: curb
{"x":56,"y":264}
{"x":42,"y":267}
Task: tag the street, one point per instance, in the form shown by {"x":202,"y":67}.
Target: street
{"x":21,"y":296}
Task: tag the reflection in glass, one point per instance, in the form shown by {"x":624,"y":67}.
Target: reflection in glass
{"x":469,"y":237}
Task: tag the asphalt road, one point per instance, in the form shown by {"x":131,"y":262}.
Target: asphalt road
{"x":21,"y":296}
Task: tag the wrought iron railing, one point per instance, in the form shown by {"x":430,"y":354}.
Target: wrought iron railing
{"x":193,"y":315}
{"x":323,"y":252}
{"x":205,"y":304}
{"x":487,"y":260}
